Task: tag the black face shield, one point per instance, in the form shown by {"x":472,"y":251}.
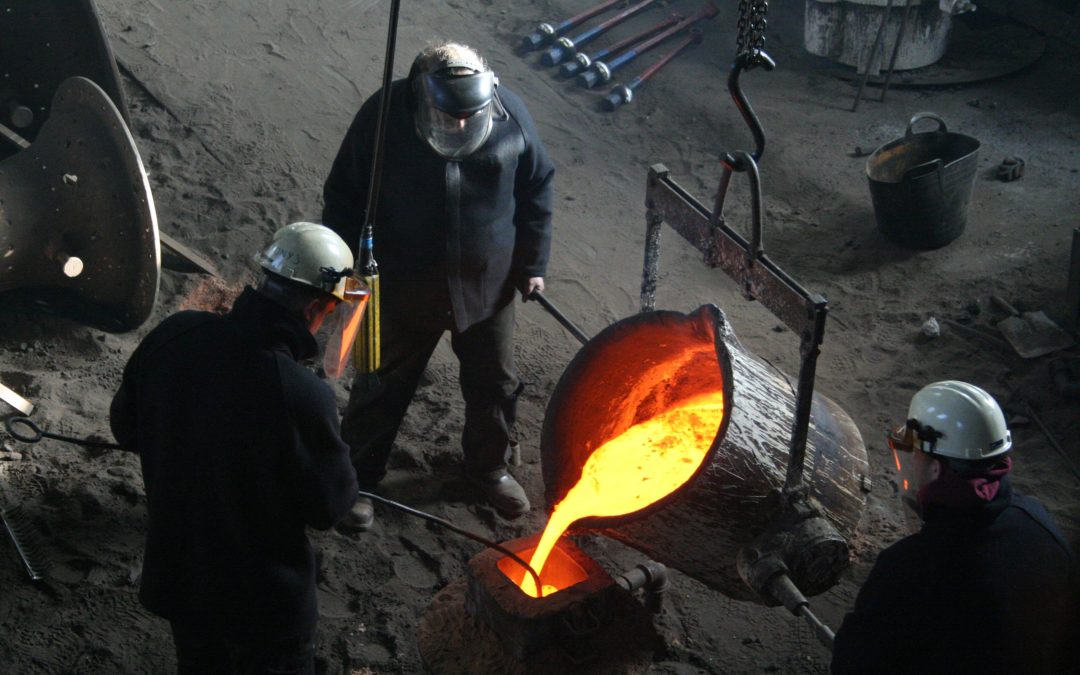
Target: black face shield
{"x":454,"y":112}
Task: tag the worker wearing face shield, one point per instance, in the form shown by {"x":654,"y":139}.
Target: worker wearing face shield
{"x":463,"y":222}
{"x":241,"y":452}
{"x":988,"y":583}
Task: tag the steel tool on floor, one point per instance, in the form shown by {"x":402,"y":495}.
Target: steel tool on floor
{"x":545,"y":32}
{"x":583,"y":62}
{"x":566,"y":47}
{"x":15,"y":401}
{"x":601,"y":71}
{"x":26,"y":540}
{"x":1031,"y":334}
{"x":624,"y":93}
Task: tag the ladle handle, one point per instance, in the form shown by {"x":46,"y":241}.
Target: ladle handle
{"x":918,"y":117}
{"x":559,"y":316}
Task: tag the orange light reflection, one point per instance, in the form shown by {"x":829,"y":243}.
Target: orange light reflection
{"x":642,"y":465}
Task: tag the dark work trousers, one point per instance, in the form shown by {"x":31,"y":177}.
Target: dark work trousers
{"x":205,"y":653}
{"x":489,"y":385}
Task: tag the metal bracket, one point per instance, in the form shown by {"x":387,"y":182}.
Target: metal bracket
{"x":747,"y":264}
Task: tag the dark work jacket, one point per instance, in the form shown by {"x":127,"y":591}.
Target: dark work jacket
{"x":240,"y":451}
{"x":983,"y":593}
{"x":453,"y":239}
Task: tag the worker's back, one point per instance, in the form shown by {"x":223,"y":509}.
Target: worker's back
{"x":240,"y":451}
{"x":987,"y":593}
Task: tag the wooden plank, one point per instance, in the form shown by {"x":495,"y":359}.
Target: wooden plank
{"x":188,"y":254}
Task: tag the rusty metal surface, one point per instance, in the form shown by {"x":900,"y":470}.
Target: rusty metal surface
{"x":730,"y":501}
{"x":44,"y":42}
{"x":667,"y":202}
{"x":80,"y":191}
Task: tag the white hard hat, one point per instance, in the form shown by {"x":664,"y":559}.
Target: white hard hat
{"x":310,"y":254}
{"x":958,"y":420}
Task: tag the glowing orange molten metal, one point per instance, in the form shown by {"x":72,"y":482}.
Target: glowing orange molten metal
{"x":642,"y":465}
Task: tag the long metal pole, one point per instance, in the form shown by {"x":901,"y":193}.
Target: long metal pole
{"x":367,"y":355}
{"x":584,"y":62}
{"x":559,"y":316}
{"x":375,"y":178}
{"x":565,"y":47}
{"x":896,"y":48}
{"x":624,"y":93}
{"x":873,"y":55}
{"x":601,"y":72}
{"x":545,"y":32}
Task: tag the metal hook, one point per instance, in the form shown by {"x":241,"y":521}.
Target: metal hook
{"x":740,"y":160}
{"x":745,"y":61}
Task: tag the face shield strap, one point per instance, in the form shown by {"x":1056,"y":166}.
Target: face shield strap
{"x":927,"y":435}
{"x":331,"y":277}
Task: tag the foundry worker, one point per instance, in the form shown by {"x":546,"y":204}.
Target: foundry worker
{"x":984,"y":586}
{"x":463,"y":220}
{"x":241,"y":451}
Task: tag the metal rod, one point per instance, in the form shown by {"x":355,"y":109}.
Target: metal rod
{"x":15,"y":139}
{"x":463,"y":532}
{"x":650,"y":268}
{"x":693,"y":39}
{"x":15,"y":401}
{"x":380,"y":131}
{"x":566,"y":47}
{"x":716,"y":218}
{"x":824,"y":634}
{"x":559,"y":316}
{"x":624,"y":93}
{"x":810,"y":348}
{"x":896,"y":48}
{"x":583,"y":62}
{"x":545,"y":32}
{"x":1072,"y":292}
{"x":37,"y":434}
{"x":873,"y":55}
{"x":1053,"y":441}
{"x":602,"y":71}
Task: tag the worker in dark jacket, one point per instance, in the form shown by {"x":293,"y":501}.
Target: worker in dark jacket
{"x":984,"y":586}
{"x":241,"y":451}
{"x":464,"y":219}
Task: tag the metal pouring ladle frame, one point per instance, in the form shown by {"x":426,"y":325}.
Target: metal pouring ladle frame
{"x":744,"y":261}
{"x":798,"y":522}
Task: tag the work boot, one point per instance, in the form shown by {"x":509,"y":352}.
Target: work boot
{"x":503,"y":492}
{"x":359,"y":518}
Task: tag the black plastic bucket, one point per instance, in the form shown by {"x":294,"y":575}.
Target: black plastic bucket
{"x":921,"y":184}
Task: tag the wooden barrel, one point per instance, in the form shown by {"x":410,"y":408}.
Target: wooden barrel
{"x":640,"y":366}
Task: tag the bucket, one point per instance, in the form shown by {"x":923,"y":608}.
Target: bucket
{"x":921,"y":184}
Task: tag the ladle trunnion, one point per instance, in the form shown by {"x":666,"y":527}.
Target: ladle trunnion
{"x":644,"y":364}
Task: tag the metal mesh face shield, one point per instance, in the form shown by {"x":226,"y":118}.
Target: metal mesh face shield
{"x":454,"y":112}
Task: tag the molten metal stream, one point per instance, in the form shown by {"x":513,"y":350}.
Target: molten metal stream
{"x":642,"y":465}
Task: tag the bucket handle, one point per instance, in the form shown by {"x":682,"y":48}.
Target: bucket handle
{"x":935,"y":167}
{"x":917,"y":117}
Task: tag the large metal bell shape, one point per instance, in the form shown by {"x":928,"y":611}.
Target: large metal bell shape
{"x":43,"y":43}
{"x":78,"y":229}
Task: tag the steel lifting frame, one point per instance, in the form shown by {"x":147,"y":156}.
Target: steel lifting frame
{"x":744,"y":261}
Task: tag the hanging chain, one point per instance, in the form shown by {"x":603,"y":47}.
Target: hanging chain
{"x":752,"y":22}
